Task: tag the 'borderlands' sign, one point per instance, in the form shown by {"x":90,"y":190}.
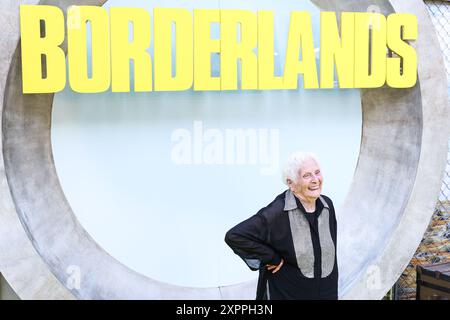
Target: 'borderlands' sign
{"x":369,"y":51}
{"x":46,"y":251}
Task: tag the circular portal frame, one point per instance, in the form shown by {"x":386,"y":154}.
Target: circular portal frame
{"x":396,"y":183}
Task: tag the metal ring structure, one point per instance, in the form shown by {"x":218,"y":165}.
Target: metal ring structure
{"x":396,"y":183}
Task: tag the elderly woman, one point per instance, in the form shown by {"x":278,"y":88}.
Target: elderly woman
{"x":292,"y":241}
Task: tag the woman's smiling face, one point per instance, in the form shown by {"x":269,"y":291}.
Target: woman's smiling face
{"x":309,"y":181}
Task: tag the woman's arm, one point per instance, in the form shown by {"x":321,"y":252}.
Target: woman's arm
{"x":249,"y":240}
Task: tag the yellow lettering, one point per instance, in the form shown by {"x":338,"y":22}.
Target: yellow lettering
{"x":335,"y":49}
{"x":395,"y":24}
{"x":164,"y":81}
{"x":122,"y":49}
{"x":204,"y":46}
{"x":300,"y":40}
{"x":232,"y":50}
{"x":370,"y":74}
{"x":34,"y":47}
{"x":266,"y":51}
{"x":77,"y":49}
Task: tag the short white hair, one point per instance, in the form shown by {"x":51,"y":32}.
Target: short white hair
{"x":294,"y":164}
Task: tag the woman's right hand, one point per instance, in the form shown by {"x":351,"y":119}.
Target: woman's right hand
{"x":275,"y":268}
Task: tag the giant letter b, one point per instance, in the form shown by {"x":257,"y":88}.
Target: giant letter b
{"x":35,"y":46}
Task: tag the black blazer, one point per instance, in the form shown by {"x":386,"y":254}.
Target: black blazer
{"x":266,"y":238}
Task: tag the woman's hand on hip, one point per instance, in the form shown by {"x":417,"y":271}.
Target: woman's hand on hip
{"x":275,"y":268}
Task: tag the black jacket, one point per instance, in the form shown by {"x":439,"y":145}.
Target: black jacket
{"x":267,"y":237}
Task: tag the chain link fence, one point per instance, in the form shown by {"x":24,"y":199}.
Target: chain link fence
{"x":435,"y":245}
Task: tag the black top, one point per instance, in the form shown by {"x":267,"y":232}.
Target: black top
{"x":266,"y":238}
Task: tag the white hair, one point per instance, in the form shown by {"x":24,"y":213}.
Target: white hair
{"x":294,"y":164}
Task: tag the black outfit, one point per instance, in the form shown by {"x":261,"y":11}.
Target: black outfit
{"x":309,"y":271}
